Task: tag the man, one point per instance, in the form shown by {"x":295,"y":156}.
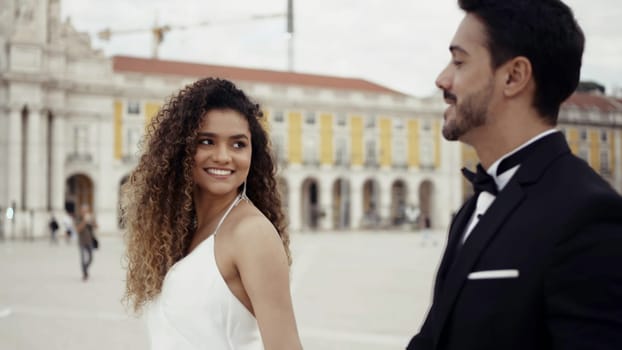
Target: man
{"x":534,"y":258}
{"x":53,"y":225}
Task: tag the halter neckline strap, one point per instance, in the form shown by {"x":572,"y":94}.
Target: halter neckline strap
{"x":233,"y":204}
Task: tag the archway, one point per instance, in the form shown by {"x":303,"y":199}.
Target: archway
{"x":341,"y":204}
{"x":371,"y":196}
{"x":426,"y":192}
{"x":78,"y":191}
{"x":310,"y":204}
{"x":399,"y":192}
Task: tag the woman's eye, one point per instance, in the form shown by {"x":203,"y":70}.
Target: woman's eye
{"x":239,"y":144}
{"x":205,"y":142}
{"x":457,"y":63}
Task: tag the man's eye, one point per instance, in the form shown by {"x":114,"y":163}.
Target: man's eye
{"x":205,"y":142}
{"x":457,"y":63}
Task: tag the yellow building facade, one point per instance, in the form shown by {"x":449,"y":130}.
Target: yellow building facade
{"x":342,"y":165}
{"x":592,"y":124}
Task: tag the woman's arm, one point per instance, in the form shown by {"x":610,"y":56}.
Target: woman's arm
{"x":262,"y":264}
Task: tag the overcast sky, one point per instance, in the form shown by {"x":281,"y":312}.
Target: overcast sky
{"x":401,"y":44}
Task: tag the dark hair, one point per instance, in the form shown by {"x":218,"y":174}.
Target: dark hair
{"x":543,"y":31}
{"x":158,"y":197}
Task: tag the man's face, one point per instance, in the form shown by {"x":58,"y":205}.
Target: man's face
{"x":467,"y":82}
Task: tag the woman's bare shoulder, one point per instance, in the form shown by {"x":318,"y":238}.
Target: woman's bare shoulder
{"x":250,"y":222}
{"x":252,"y":233}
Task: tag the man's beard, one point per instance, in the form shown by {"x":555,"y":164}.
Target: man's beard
{"x":469,"y":114}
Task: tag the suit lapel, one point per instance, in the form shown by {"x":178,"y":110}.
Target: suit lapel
{"x":546,"y":150}
{"x":485,"y":230}
{"x":453,"y":240}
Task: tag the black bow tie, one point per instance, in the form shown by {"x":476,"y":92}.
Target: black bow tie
{"x":481,"y":180}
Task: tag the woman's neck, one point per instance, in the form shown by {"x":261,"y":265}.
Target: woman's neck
{"x":209,"y":209}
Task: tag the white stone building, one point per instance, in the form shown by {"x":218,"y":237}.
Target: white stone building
{"x":351,"y":154}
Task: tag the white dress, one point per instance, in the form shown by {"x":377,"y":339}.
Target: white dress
{"x":196,"y":309}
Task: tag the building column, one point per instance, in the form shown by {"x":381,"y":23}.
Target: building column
{"x":35,"y":164}
{"x":326,"y":203}
{"x":106,"y":188}
{"x":384,"y":200}
{"x":58,"y":160}
{"x":36,"y":172}
{"x":14,"y":157}
{"x":356,"y":204}
{"x":294,"y":204}
{"x":4,"y":160}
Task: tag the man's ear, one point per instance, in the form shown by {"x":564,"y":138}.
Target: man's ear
{"x":518,"y":74}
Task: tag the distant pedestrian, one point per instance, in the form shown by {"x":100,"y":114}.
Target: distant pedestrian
{"x":85,"y":225}
{"x":69,"y":226}
{"x":53,"y":228}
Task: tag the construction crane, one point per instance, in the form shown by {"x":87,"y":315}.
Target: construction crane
{"x":158,"y":32}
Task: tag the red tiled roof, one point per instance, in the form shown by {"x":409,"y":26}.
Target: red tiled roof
{"x":586,"y":100}
{"x":153,"y":66}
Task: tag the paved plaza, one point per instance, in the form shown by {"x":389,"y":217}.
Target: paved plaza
{"x":358,"y":291}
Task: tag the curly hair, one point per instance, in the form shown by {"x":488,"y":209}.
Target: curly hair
{"x":157,"y":205}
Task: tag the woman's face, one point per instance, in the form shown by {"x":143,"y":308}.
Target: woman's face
{"x":223,"y":156}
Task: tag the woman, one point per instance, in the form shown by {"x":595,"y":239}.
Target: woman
{"x":207,"y":245}
{"x":85,"y":226}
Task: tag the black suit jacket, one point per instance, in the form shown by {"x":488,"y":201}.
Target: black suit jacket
{"x":560,"y":225}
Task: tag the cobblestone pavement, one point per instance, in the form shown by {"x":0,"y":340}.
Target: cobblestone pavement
{"x":358,"y":291}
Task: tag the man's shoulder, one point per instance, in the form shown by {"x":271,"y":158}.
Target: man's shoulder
{"x":575,"y":174}
{"x":581,"y":187}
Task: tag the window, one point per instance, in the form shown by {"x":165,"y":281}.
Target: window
{"x":370,"y":123}
{"x":603,"y":135}
{"x":400,"y":152}
{"x":583,"y":135}
{"x":80,"y":139}
{"x":341,"y":119}
{"x":279,"y":116}
{"x":310,"y":151}
{"x":426,"y":155}
{"x":81,"y":148}
{"x":370,"y":152}
{"x":133,"y":107}
{"x":310,"y":118}
{"x":341,"y":151}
